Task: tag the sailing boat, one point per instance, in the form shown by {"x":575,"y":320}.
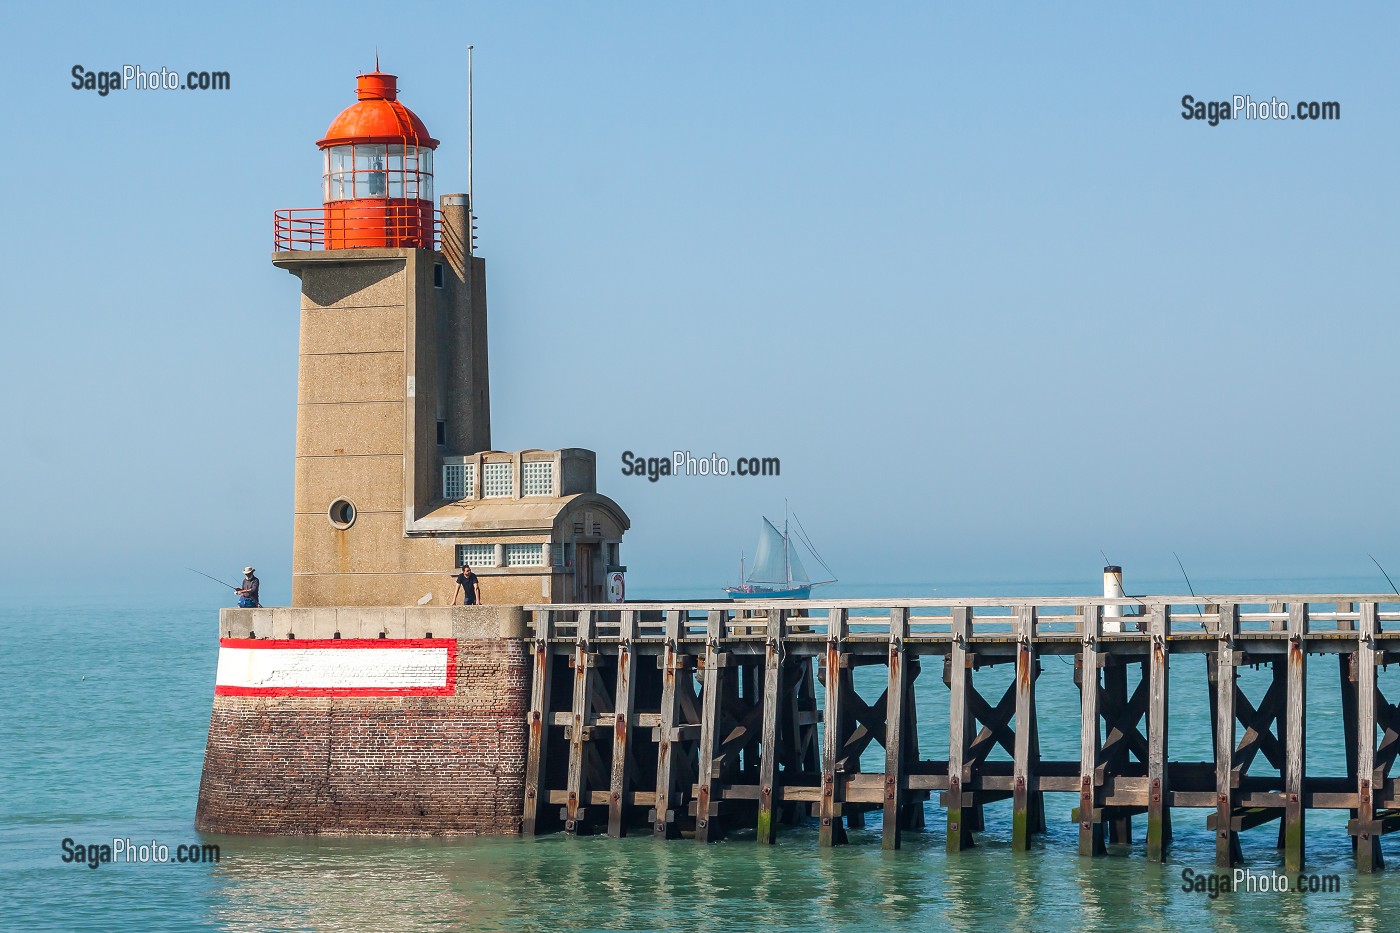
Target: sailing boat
{"x":777,"y":570}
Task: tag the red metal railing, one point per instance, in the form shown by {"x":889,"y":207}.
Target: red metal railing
{"x":357,"y":224}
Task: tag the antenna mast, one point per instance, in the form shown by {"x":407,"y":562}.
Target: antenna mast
{"x":471,"y":204}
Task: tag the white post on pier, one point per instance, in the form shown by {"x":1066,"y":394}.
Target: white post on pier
{"x":1112,"y":589}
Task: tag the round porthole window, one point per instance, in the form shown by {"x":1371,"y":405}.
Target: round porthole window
{"x":342,"y":513}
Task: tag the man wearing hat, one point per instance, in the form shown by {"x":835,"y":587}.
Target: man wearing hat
{"x":248,"y":593}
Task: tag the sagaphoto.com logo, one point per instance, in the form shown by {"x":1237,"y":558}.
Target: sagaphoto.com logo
{"x":1244,"y":107}
{"x":134,"y":77}
{"x":122,"y":851}
{"x":685,"y":463}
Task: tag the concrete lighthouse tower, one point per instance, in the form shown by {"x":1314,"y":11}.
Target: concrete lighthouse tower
{"x":396,"y":479}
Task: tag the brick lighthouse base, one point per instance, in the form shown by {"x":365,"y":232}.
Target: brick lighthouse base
{"x":367,"y":721}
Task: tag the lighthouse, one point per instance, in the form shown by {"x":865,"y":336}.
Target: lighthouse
{"x":396,"y":480}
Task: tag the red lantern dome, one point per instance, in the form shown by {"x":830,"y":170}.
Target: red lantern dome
{"x":378,"y":172}
{"x":377,"y":117}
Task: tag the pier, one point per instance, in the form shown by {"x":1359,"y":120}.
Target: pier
{"x":697,"y":720}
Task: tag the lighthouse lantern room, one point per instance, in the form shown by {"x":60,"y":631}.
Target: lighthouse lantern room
{"x":377,"y":179}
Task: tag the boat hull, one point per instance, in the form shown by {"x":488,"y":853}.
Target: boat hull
{"x":754,"y":592}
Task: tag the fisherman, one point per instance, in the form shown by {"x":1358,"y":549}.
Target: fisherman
{"x":471,"y":590}
{"x":248,"y":593}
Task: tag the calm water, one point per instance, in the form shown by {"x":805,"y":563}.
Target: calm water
{"x":105,"y":715}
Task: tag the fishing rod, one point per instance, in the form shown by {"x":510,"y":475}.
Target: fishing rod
{"x":1189,"y":588}
{"x":215,"y":579}
{"x":1387,"y":576}
{"x":1109,"y":563}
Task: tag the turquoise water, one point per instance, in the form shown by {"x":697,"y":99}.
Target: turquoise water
{"x":105,"y":715}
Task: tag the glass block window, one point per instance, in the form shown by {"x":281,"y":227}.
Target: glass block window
{"x":476,"y":555}
{"x":539,"y":477}
{"x":458,"y":480}
{"x":524,"y":555}
{"x":496,"y":480}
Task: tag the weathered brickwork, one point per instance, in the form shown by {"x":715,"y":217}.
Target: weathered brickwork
{"x":380,"y":765}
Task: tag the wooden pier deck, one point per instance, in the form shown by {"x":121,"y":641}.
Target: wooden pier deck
{"x":696,"y":719}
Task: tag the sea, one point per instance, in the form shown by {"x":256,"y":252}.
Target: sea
{"x":106,"y":711}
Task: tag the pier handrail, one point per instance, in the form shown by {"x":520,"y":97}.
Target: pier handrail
{"x":1259,"y":614}
{"x":947,"y":602}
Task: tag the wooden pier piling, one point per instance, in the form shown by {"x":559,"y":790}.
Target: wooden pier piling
{"x":1226,"y":842}
{"x":673,"y":663}
{"x":1158,"y":780}
{"x":705,"y":719}
{"x":1027,"y":804}
{"x":897,"y":704}
{"x":960,"y":731}
{"x":1091,"y":835}
{"x":772,"y":702}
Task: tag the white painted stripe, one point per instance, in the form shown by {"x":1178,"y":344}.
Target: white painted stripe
{"x":332,"y":668}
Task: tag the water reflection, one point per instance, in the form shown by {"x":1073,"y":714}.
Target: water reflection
{"x":557,"y":882}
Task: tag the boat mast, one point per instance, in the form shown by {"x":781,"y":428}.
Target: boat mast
{"x":787,"y":559}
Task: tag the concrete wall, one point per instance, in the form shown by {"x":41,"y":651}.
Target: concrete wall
{"x":374,"y":765}
{"x":579,"y":471}
{"x":352,"y":383}
{"x":372,"y":359}
{"x":467,"y":399}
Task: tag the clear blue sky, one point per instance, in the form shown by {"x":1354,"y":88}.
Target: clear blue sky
{"x":967,"y":271}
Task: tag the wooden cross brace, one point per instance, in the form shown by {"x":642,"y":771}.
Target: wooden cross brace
{"x":743,"y":733}
{"x":996,"y":729}
{"x":870,"y":721}
{"x":1257,"y":722}
{"x":1123,"y":733}
{"x":1388,"y":718}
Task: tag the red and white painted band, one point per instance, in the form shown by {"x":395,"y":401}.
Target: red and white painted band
{"x":336,"y":667}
